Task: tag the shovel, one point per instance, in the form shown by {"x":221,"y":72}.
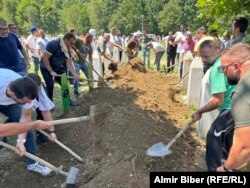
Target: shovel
{"x":101,"y":80}
{"x":71,"y":175}
{"x":95,"y":110}
{"x":63,"y":146}
{"x":161,"y":150}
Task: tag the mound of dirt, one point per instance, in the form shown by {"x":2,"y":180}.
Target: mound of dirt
{"x":140,"y":110}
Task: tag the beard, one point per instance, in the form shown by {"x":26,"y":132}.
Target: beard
{"x":232,"y":81}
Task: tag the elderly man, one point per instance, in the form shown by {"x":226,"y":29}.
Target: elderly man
{"x":236,"y":66}
{"x":56,"y":60}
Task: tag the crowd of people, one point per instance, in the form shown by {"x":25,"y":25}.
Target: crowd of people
{"x":227,"y":73}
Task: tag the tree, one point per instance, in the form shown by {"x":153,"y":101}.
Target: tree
{"x":222,"y":12}
{"x":28,"y":14}
{"x":101,"y":12}
{"x":169,"y":17}
{"x":49,"y":18}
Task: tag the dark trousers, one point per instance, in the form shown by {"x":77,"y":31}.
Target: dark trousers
{"x":49,"y":81}
{"x":171,"y":61}
{"x":219,"y":140}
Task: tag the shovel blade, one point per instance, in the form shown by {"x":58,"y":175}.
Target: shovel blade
{"x":72,"y":175}
{"x":158,"y":150}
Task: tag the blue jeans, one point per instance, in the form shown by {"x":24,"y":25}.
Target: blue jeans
{"x":158,"y":60}
{"x":146,"y":57}
{"x":78,"y":67}
{"x":13,"y":112}
{"x":36,"y":64}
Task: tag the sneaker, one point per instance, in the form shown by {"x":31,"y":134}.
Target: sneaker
{"x":73,"y":103}
{"x":43,"y":170}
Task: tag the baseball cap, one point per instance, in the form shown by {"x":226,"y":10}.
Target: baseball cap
{"x":33,"y":28}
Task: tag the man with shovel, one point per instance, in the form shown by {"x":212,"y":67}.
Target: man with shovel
{"x":236,"y":66}
{"x":16,"y":91}
{"x":219,"y":136}
{"x":56,"y":60}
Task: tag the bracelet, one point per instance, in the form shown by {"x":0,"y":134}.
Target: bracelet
{"x":21,"y":140}
{"x":227,"y":170}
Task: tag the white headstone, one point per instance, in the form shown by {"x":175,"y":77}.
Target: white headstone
{"x":97,"y":65}
{"x":187,"y":60}
{"x":194,"y":82}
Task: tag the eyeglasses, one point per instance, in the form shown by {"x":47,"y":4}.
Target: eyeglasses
{"x":222,"y":68}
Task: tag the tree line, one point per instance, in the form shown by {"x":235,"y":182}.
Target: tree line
{"x":157,"y":16}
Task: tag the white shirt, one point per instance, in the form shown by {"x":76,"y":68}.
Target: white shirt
{"x":41,"y":44}
{"x":43,"y":102}
{"x":6,"y":76}
{"x":157,"y":47}
{"x":31,"y":41}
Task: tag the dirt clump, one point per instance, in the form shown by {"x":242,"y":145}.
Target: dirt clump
{"x":140,"y":111}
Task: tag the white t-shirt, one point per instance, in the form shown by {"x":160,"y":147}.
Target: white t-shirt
{"x":43,"y":102}
{"x":31,"y":41}
{"x":41,"y":44}
{"x":181,"y":37}
{"x":157,"y":47}
{"x":6,"y":76}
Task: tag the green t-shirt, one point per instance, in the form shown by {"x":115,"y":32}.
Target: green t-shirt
{"x":219,"y":84}
{"x":241,"y":102}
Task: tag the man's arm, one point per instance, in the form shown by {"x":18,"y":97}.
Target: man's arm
{"x":240,"y":150}
{"x":25,"y":117}
{"x":212,"y":104}
{"x":46,"y":62}
{"x":11,"y":129}
{"x":71,"y":69}
{"x":48,"y":117}
{"x":26,"y":58}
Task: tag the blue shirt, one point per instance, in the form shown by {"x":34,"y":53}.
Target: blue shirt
{"x":57,"y":59}
{"x":9,"y":55}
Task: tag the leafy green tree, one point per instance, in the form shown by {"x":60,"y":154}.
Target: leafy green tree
{"x":169,"y":17}
{"x":8,"y":10}
{"x":49,"y":18}
{"x":101,"y":11}
{"x":223,"y":12}
{"x":128,"y":17}
{"x":28,"y":14}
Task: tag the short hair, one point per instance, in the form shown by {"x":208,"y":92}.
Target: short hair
{"x":69,"y":35}
{"x":239,"y":51}
{"x":36,"y":78}
{"x":210,"y":44}
{"x":201,"y":30}
{"x":24,"y":87}
{"x":241,"y":23}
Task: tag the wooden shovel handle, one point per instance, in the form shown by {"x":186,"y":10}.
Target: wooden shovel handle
{"x":35,"y":158}
{"x":63,"y":146}
{"x":69,"y":120}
